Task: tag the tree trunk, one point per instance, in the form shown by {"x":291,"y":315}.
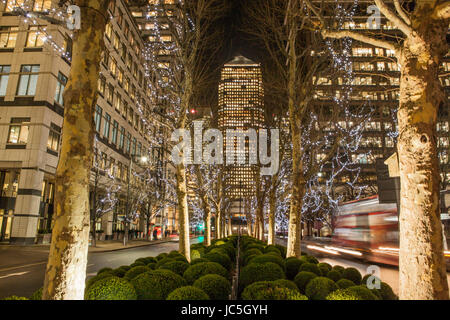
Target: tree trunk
{"x":230,"y":228}
{"x":217,"y":222}
{"x":183,"y":220}
{"x":94,"y":240}
{"x":272,"y":208}
{"x":66,"y":269}
{"x":126,"y":233}
{"x":422,"y":264}
{"x":208,"y":228}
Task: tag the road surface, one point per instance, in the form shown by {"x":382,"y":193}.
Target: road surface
{"x":22,"y":269}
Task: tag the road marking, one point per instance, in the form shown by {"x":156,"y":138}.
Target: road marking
{"x":14,"y":274}
{"x":24,"y":266}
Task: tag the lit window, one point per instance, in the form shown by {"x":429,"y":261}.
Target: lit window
{"x":98,"y":118}
{"x":54,"y":137}
{"x":8,"y":37}
{"x":11,"y":4}
{"x":4,"y":77}
{"x":35,"y":38}
{"x":18,"y":130}
{"x":60,"y":86}
{"x":42,"y":5}
{"x":28,"y":80}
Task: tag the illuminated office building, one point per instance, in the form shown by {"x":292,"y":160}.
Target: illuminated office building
{"x":240,"y":108}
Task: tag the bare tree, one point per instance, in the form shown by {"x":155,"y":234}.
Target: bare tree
{"x":423,"y":25}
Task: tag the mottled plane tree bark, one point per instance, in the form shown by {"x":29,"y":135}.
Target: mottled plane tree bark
{"x":66,"y":268}
{"x":424,"y":26}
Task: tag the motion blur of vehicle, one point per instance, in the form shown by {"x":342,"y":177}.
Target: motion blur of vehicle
{"x":368,"y":229}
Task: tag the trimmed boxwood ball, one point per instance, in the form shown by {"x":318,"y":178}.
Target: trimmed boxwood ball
{"x":152,"y":266}
{"x":282,"y":249}
{"x":104,"y":270}
{"x":15,"y":298}
{"x":215,"y":286}
{"x":156,"y":285}
{"x":201,"y":269}
{"x":181,"y":258}
{"x":220,"y":258}
{"x":255,"y":272}
{"x":112,"y":288}
{"x":188,"y":293}
{"x":302,"y":279}
{"x":386,"y":292}
{"x":251,"y":252}
{"x":134,"y":272}
{"x":199,"y":260}
{"x":272,"y":248}
{"x":286,"y":284}
{"x":353,"y":293}
{"x":292,"y":266}
{"x":352,"y":274}
{"x":345,"y":283}
{"x":120,"y":271}
{"x":161,"y":256}
{"x":178,"y":267}
{"x":37,"y":295}
{"x":310,"y":267}
{"x":163,"y":261}
{"x":101,"y":276}
{"x":146,"y":261}
{"x":270,"y":290}
{"x":319,"y":288}
{"x":339,"y":269}
{"x":174,"y":254}
{"x":324,"y":268}
{"x":264,"y":258}
{"x":334,"y":275}
{"x":310,"y":259}
{"x":137,"y":264}
{"x":195,"y":254}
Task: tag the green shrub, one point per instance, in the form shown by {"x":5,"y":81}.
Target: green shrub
{"x":15,"y":298}
{"x":199,"y":260}
{"x":201,"y":269}
{"x":161,"y":256}
{"x":215,"y":286}
{"x":353,"y":293}
{"x":319,"y":288}
{"x":386,"y":292}
{"x":345,"y":283}
{"x":309,"y":259}
{"x":181,"y":258}
{"x":120,"y":272}
{"x":334,"y":275}
{"x":282,"y":249}
{"x":37,"y":295}
{"x":272,"y":248}
{"x":178,"y":267}
{"x":220,"y":258}
{"x":101,"y":276}
{"x":339,"y":269}
{"x":188,"y":293}
{"x":157,"y":284}
{"x":137,"y":264}
{"x":264,"y":258}
{"x":146,"y":260}
{"x":255,"y":272}
{"x":163,"y":261}
{"x":104,"y":270}
{"x":254,"y":246}
{"x":134,"y":272}
{"x":286,"y":284}
{"x":324,"y":268}
{"x":112,"y":288}
{"x":152,"y":266}
{"x":310,"y":267}
{"x":302,"y":279}
{"x":174,"y":254}
{"x":292,"y":267}
{"x":270,"y":290}
{"x":195,"y":254}
{"x":352,"y":274}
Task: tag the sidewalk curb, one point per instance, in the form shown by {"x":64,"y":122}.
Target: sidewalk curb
{"x":130,"y":247}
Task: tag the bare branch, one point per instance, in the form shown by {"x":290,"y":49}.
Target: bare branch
{"x":360,"y":37}
{"x":402,"y":13}
{"x":391,"y":16}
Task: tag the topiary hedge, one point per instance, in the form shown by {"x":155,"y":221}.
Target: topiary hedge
{"x":134,"y":272}
{"x":270,"y":290}
{"x":201,"y":269}
{"x":255,"y":272}
{"x":188,"y":293}
{"x":292,"y":266}
{"x":352,"y":293}
{"x":37,"y":295}
{"x":272,"y":248}
{"x":120,"y":272}
{"x":264,"y":258}
{"x":345,"y":283}
{"x":310,"y":267}
{"x":104,"y":270}
{"x":215,"y":286}
{"x":352,"y":274}
{"x":339,"y":269}
{"x":309,"y":259}
{"x":302,"y":279}
{"x":163,"y":261}
{"x":178,"y":267}
{"x":319,"y":288}
{"x":220,"y":258}
{"x":286,"y":284}
{"x":15,"y":298}
{"x":324,"y":268}
{"x":161,"y":256}
{"x":157,"y":284}
{"x":137,"y":264}
{"x":101,"y":276}
{"x":334,"y":275}
{"x":199,"y":260}
{"x":111,"y":288}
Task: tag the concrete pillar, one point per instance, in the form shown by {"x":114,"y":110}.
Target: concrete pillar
{"x":26,"y":212}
